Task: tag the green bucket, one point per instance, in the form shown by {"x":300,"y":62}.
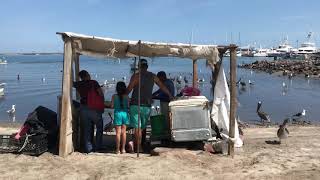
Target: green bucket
{"x":158,"y":125}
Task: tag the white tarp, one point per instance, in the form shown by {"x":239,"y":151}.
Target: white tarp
{"x":108,"y":47}
{"x":221,"y":108}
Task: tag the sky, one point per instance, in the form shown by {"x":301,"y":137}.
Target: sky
{"x":31,"y":25}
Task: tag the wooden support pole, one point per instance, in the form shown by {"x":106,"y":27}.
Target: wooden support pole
{"x":233,"y":107}
{"x":76,"y":71}
{"x":65,"y":144}
{"x":195,"y":74}
{"x":139,"y":99}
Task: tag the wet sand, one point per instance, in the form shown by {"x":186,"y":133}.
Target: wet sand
{"x":299,"y":159}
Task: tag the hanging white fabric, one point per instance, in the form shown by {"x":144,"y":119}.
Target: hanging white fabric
{"x":221,"y":108}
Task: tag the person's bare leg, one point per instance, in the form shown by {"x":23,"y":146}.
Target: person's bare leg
{"x":118,"y":134}
{"x":123,"y":138}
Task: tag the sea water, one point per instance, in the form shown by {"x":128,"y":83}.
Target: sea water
{"x":40,"y":82}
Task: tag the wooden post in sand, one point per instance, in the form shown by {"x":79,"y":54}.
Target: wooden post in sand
{"x":65,"y":143}
{"x":233,"y":107}
{"x":139,"y":98}
{"x":195,"y":74}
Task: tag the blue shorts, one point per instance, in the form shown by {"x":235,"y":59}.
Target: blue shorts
{"x":121,"y":118}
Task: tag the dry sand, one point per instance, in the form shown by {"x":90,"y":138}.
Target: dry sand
{"x":299,"y":159}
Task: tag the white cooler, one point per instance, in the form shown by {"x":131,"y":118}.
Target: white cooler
{"x":190,"y":119}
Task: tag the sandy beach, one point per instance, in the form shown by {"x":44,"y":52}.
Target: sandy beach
{"x":299,"y":159}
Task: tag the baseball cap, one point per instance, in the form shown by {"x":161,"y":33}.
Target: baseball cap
{"x":143,"y":62}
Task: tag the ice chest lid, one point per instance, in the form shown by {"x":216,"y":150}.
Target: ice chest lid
{"x":190,"y":101}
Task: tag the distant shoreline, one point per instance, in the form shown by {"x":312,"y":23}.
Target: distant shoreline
{"x":33,"y":53}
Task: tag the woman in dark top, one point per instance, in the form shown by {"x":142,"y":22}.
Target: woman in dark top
{"x":88,"y":116}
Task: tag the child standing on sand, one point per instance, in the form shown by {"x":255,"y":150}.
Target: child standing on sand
{"x":120,"y":104}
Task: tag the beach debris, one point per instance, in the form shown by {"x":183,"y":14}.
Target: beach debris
{"x":264,"y":117}
{"x":12,"y":110}
{"x":283,"y":132}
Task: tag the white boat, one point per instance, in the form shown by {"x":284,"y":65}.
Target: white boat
{"x":308,"y":47}
{"x":239,"y":53}
{"x":261,"y":52}
{"x":2,"y":89}
{"x":227,"y":53}
{"x":282,"y":50}
{"x":3,"y":61}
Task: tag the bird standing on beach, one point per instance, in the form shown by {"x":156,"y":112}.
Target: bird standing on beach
{"x":299,"y":116}
{"x":12,"y":110}
{"x":283,"y":132}
{"x":250,"y":82}
{"x":263,"y":116}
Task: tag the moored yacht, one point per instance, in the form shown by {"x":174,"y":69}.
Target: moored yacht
{"x":307,"y":47}
{"x":261,"y":52}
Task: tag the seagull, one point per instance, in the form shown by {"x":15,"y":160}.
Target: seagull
{"x":299,"y":115}
{"x":153,"y":110}
{"x":124,"y":78}
{"x":12,"y":110}
{"x":306,"y":75}
{"x":284,"y":85}
{"x":185,"y":79}
{"x":263,"y":116}
{"x":251,"y":82}
{"x":178,"y":80}
{"x":114,"y":79}
{"x":201,"y":80}
{"x":238,"y":82}
{"x":158,"y":109}
{"x":290,"y":75}
{"x":283,"y":132}
{"x":242,"y":83}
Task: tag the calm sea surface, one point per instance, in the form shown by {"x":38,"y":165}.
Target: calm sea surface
{"x":40,"y":84}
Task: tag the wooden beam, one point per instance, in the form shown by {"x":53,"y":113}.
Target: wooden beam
{"x":65,"y":144}
{"x":195,"y":74}
{"x":233,"y":107}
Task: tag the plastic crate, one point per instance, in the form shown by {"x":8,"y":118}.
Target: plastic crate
{"x":35,"y":145}
{"x":7,"y":144}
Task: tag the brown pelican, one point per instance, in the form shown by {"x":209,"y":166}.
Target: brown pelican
{"x":283,"y":132}
{"x":263,"y":116}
